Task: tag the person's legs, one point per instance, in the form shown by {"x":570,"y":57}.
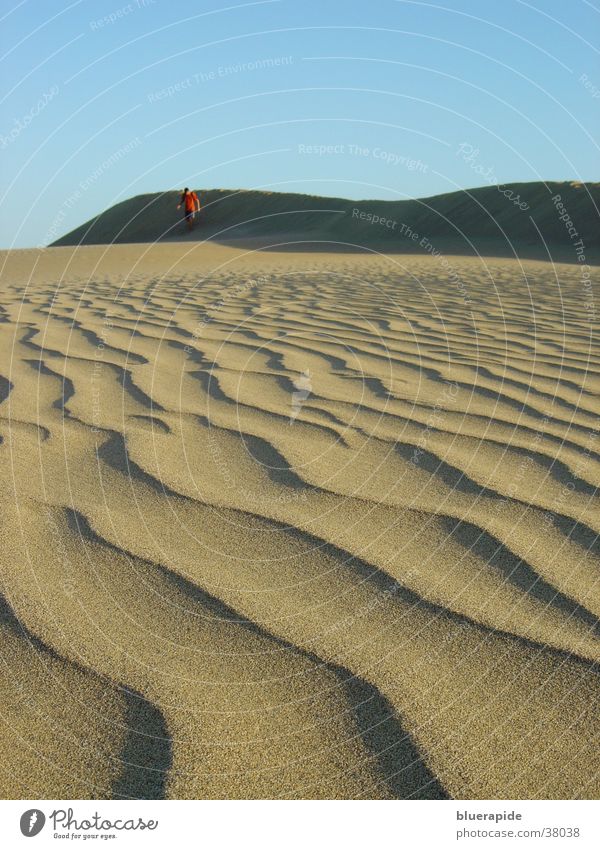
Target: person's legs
{"x":189,"y":217}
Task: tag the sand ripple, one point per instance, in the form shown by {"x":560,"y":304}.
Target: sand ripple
{"x":297,"y":526}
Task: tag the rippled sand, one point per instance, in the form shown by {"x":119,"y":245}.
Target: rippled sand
{"x":297,"y":525}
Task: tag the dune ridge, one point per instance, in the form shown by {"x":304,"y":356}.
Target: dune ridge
{"x":526,"y":219}
{"x":296,"y":525}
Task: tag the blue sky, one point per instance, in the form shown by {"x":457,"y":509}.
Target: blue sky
{"x":104,"y":99}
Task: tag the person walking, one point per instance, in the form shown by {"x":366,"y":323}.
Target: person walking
{"x":191,"y":205}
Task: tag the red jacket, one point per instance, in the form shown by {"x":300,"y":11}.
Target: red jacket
{"x":190,"y":200}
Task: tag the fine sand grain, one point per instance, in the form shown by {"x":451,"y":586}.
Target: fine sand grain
{"x":296,"y":525}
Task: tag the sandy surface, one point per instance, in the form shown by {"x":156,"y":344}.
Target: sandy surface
{"x":297,"y":525}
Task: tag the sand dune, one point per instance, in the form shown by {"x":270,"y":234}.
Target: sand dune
{"x":516,"y":219}
{"x":294,"y":525}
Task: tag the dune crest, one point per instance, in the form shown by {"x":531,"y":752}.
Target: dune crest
{"x":538,"y":220}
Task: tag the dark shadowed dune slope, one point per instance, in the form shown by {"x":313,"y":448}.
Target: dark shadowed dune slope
{"x":518,"y":215}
